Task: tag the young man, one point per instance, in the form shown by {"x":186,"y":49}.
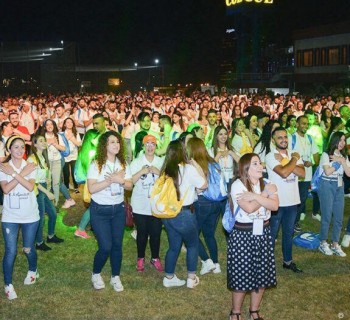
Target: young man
{"x":212,"y":118}
{"x":284,"y":169}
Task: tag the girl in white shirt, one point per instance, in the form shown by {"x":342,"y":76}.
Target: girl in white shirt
{"x":107,"y":178}
{"x":20,"y":210}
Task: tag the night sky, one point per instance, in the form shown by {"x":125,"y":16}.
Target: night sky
{"x":186,"y":33}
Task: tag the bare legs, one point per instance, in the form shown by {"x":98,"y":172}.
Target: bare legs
{"x":238,"y":298}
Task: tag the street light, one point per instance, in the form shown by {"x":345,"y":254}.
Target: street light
{"x":135,"y":64}
{"x":156,"y":61}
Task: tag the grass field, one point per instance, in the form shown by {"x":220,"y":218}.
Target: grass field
{"x":64,"y":289}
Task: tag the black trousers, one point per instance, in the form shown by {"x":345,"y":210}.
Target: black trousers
{"x":147,"y":226}
{"x":68,"y":169}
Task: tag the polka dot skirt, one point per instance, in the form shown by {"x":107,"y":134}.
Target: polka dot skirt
{"x":250,"y":261}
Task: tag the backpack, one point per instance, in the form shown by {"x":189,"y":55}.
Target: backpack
{"x":163,"y":198}
{"x":229,"y":219}
{"x":216,"y":190}
{"x":294,"y":139}
{"x":308,"y":240}
{"x":316,"y":177}
{"x":66,"y":152}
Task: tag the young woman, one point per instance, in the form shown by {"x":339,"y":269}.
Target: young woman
{"x":224,"y":155}
{"x":334,"y":163}
{"x":145,"y":170}
{"x":206,"y":211}
{"x":282,"y":119}
{"x":251,"y":122}
{"x":107,"y":178}
{"x":291,"y":125}
{"x":44,"y":197}
{"x":250,"y":243}
{"x":183,"y":228}
{"x":177,"y":122}
{"x":20,"y":210}
{"x":55,"y":145}
{"x":73,"y":137}
{"x":242,"y":140}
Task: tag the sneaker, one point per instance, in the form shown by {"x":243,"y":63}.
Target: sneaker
{"x":324,"y":248}
{"x":191,"y":283}
{"x":10,"y":292}
{"x":117,"y":284}
{"x":81,"y":234}
{"x":292,"y":266}
{"x":134,"y":234}
{"x":157,"y":265}
{"x":217,"y":268}
{"x":42,"y":247}
{"x":302,"y":216}
{"x":347,"y":195}
{"x":346,"y":241}
{"x":140,"y":266}
{"x":338,"y":251}
{"x":316,"y":217}
{"x":54,"y":239}
{"x":97,"y":281}
{"x":297,"y":228}
{"x":173,"y":282}
{"x":76,"y":191}
{"x":207,"y":266}
{"x":68,"y":203}
{"x":31,"y":277}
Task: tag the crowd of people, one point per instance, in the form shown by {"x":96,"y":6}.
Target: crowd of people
{"x":266,"y":149}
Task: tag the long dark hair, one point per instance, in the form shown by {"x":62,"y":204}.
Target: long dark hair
{"x":175,"y":155}
{"x":333,"y":143}
{"x":215,"y":144}
{"x":34,"y":151}
{"x":74,"y":128}
{"x":266,"y":135}
{"x":244,"y":165}
{"x":55,"y":129}
{"x":101,"y":151}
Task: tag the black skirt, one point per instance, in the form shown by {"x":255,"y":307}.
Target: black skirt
{"x":250,"y":261}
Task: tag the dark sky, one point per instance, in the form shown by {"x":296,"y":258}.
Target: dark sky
{"x":178,"y":32}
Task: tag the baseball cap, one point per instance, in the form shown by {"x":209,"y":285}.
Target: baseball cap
{"x":149,"y":138}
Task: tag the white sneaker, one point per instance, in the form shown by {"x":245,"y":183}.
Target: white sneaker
{"x":302,"y":216}
{"x":97,"y":281}
{"x":117,"y":284}
{"x":173,"y":282}
{"x":31,"y":277}
{"x":207,"y":266}
{"x":10,"y":292}
{"x":316,"y":217}
{"x":347,"y":195}
{"x":68,"y":203}
{"x":324,"y":248}
{"x":217,"y":268}
{"x":346,"y":241}
{"x":191,"y":283}
{"x":338,"y":251}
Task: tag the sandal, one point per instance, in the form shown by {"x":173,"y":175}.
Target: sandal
{"x":257,"y":313}
{"x":238,"y":316}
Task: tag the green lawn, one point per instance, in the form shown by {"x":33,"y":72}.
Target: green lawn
{"x":64,"y":289}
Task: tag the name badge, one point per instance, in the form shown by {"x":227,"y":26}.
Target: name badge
{"x":340,"y":180}
{"x":258,"y":227}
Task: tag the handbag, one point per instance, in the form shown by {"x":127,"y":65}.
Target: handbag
{"x":129,"y":219}
{"x":229,"y":219}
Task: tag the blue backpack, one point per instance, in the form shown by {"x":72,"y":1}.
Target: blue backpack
{"x":294,"y":140}
{"x":307,"y":240}
{"x":229,"y":219}
{"x":216,"y":190}
{"x":66,"y":152}
{"x":315,"y":181}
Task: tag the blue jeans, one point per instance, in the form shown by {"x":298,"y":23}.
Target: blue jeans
{"x":108,"y":222}
{"x":85,"y":219}
{"x":207,"y":214}
{"x":10,"y":233}
{"x":286,"y":217}
{"x":303,"y":192}
{"x":332,"y":204}
{"x":182,"y":228}
{"x":45,"y":205}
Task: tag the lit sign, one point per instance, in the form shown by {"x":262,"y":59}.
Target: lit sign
{"x":113,"y":82}
{"x":234,"y":2}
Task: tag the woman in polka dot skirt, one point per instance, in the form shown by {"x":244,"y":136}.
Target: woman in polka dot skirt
{"x":250,"y":256}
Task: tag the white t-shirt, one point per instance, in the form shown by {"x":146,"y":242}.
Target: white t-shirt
{"x":325,"y":161}
{"x":262,"y":154}
{"x":305,"y":148}
{"x":226,"y":165}
{"x":237,"y":143}
{"x":73,"y":155}
{"x":20,"y":205}
{"x":242,"y":216}
{"x":141,"y":193}
{"x":52,"y":152}
{"x":288,"y":189}
{"x":42,"y":174}
{"x":189,"y":180}
{"x":113,"y":194}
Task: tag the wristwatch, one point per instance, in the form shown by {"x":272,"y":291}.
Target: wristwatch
{"x":13,"y":175}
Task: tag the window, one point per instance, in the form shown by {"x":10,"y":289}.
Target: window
{"x":317,"y":57}
{"x":307,"y":58}
{"x":333,"y":56}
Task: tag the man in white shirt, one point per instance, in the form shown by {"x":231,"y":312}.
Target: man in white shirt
{"x":283,"y":169}
{"x":307,"y":148}
{"x":27,"y":117}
